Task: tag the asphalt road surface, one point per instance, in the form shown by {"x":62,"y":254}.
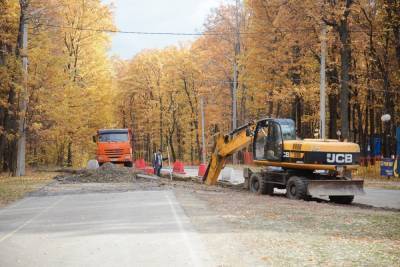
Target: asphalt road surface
{"x":115,"y":229}
{"x":381,"y":198}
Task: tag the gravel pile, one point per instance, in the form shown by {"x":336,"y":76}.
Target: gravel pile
{"x":107,"y":173}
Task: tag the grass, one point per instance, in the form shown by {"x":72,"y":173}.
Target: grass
{"x":14,"y":188}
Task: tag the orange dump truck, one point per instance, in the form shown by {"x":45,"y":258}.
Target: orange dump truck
{"x":115,"y":146}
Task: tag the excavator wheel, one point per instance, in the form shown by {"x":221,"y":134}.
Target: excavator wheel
{"x":296,"y":188}
{"x":258,"y":185}
{"x":341,"y":199}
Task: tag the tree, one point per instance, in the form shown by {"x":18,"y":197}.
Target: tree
{"x":341,"y":25}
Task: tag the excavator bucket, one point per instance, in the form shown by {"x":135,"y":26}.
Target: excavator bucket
{"x":213,"y":170}
{"x":335,"y":187}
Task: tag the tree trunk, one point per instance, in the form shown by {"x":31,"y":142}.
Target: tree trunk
{"x":353,"y":123}
{"x":69,"y":154}
{"x":297,"y":114}
{"x":345,"y":54}
{"x":278,"y":110}
{"x":179,"y":138}
{"x":161,"y":123}
{"x":360,"y":128}
{"x":191,"y":145}
{"x":342,"y":27}
{"x":60,"y":154}
{"x":171,"y":145}
{"x":270,"y":105}
{"x":333,"y":115}
{"x":393,"y":17}
{"x":371,"y":114}
{"x":243,"y":111}
{"x":195,"y":122}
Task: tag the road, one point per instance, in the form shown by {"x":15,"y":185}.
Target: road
{"x":172,"y":223}
{"x":141,"y":228}
{"x":380,"y":198}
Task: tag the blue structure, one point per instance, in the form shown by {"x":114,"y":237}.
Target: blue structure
{"x":377,"y":147}
{"x":387,"y":165}
{"x":398,"y":141}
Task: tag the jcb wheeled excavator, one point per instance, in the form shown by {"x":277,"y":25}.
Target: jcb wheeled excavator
{"x":309,"y":167}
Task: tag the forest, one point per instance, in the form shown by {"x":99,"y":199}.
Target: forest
{"x":259,"y":58}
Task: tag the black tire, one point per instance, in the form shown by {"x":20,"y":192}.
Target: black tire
{"x":341,"y":199}
{"x":128,"y":164}
{"x":296,"y":188}
{"x":269,"y":188}
{"x":258,"y":185}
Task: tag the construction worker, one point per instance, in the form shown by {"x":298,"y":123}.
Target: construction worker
{"x":158,"y":162}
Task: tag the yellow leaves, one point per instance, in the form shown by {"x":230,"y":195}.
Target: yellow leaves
{"x":70,"y":80}
{"x":9,"y":22}
{"x":157,"y":90}
{"x":36,"y":126}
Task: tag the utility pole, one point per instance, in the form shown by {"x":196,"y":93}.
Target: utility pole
{"x":21,"y":142}
{"x":235,"y":72}
{"x":203,"y":138}
{"x":235,"y":66}
{"x":322,"y":83}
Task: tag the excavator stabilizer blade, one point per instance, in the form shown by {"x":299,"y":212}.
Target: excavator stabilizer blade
{"x":336,"y":187}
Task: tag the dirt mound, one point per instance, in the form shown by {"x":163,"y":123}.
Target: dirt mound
{"x":107,"y":173}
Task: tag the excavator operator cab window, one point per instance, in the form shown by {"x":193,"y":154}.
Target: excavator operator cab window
{"x":268,"y":141}
{"x":260,"y":143}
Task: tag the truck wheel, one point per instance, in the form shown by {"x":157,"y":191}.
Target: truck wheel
{"x":296,"y":188}
{"x":258,"y":185}
{"x":128,"y":164}
{"x":341,"y":199}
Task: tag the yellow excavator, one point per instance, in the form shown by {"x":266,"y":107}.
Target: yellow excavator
{"x":305,"y":168}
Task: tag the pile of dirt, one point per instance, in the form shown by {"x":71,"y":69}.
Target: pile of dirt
{"x":107,"y":173}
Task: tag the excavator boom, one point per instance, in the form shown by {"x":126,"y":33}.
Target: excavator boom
{"x":225,"y":146}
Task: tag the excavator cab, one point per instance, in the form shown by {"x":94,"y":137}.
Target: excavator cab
{"x":269,"y":137}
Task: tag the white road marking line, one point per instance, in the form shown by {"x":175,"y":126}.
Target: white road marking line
{"x":193,"y":255}
{"x":5,"y":237}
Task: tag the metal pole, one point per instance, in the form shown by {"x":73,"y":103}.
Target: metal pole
{"x":235,"y":67}
{"x":169,"y":162}
{"x":234,"y":96}
{"x":235,"y":74}
{"x":21,"y":143}
{"x":322,"y":83}
{"x":202,"y":130}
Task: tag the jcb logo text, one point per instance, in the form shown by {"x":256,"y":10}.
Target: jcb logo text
{"x":339,"y":158}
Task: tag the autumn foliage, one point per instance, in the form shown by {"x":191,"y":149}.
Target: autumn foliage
{"x":70,"y":81}
{"x":75,"y":88}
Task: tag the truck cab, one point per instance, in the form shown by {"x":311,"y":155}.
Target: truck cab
{"x":115,"y":146}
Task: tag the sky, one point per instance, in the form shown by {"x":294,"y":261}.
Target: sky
{"x":156,"y":16}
